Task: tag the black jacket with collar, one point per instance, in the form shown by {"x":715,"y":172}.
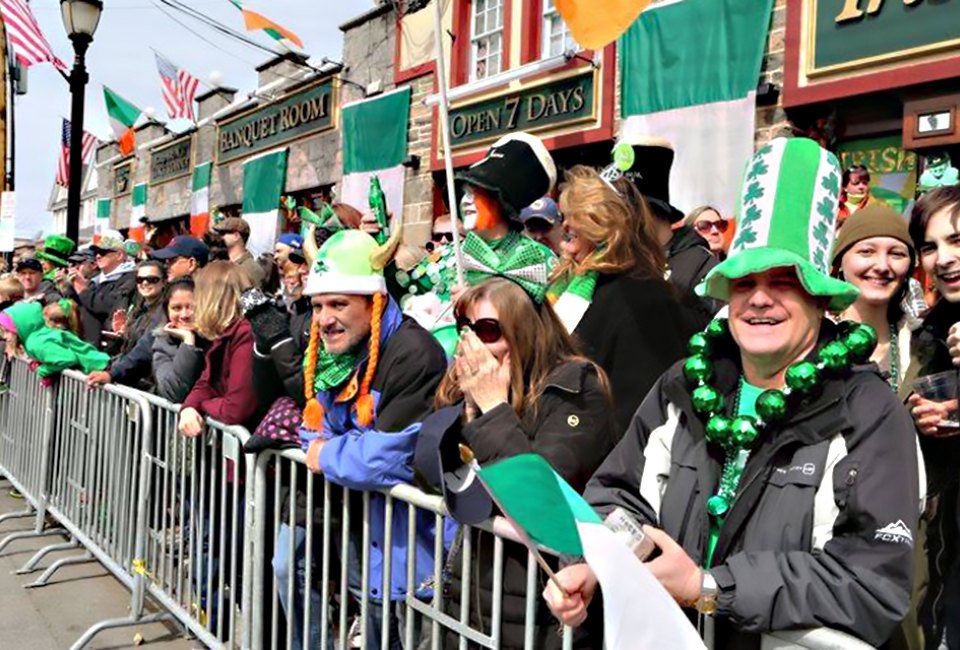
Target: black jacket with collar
{"x":573,"y":429}
{"x":821,"y":532}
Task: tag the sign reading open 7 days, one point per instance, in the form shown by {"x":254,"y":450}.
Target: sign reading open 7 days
{"x":297,"y":115}
{"x":550,"y":105}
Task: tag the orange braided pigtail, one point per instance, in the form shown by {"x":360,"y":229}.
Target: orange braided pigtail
{"x":365,"y":404}
{"x":313,"y":411}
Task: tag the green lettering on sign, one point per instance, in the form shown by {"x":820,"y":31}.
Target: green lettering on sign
{"x":296,"y":115}
{"x":123,"y":178}
{"x":551,"y":105}
{"x":858,"y":34}
{"x":171,"y":161}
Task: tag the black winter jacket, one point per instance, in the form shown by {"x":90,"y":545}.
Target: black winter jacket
{"x":98,"y":302}
{"x":573,"y":429}
{"x":278,"y":366}
{"x":821,"y":532}
{"x":133,"y":367}
{"x":635,"y":329}
{"x":176,"y":366}
{"x":689,"y":259}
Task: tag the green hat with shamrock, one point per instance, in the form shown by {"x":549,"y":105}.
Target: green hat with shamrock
{"x":348,"y":262}
{"x":57,"y":249}
{"x":787,"y":217}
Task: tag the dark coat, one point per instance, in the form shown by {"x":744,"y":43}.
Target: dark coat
{"x":278,"y":364}
{"x":225,"y":388}
{"x":176,"y":366}
{"x":635,"y":329}
{"x":133,"y":367}
{"x":572,"y":428}
{"x":98,"y":302}
{"x":822,"y":530}
{"x":689,"y":259}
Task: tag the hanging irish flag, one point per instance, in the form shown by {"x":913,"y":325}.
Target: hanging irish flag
{"x":200,"y":201}
{"x":375,"y":144}
{"x":637,"y":610}
{"x":123,"y":115}
{"x":597,"y":23}
{"x":138,"y":212}
{"x":263,"y":180}
{"x":690,"y":71}
{"x":254,"y":21}
{"x":103,"y":218}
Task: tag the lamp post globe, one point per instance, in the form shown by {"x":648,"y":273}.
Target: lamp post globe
{"x":80,"y":21}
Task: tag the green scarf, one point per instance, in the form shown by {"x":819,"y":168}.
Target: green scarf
{"x":333,"y":370}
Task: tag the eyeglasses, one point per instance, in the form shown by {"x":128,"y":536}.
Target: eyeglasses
{"x":149,"y":279}
{"x":487,"y":329}
{"x":706,"y":226}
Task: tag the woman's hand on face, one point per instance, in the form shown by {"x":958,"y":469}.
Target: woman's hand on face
{"x":483,"y":380}
{"x":185,"y":335}
{"x":929,"y":416}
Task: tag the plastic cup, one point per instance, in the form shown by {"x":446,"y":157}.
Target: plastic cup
{"x":940,"y":387}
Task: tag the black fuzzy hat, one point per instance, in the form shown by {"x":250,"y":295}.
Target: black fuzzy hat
{"x":517,"y":169}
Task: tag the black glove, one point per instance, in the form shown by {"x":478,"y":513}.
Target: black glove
{"x":270,"y":324}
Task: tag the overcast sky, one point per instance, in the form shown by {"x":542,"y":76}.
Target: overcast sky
{"x":121,"y":58}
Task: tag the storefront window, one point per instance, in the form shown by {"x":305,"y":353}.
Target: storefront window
{"x":486,"y":40}
{"x":556,"y":37}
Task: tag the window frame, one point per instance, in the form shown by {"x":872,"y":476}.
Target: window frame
{"x":475,"y":39}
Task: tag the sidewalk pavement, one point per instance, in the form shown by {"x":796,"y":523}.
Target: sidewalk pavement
{"x":78,"y":596}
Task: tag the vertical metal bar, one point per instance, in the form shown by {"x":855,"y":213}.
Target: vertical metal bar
{"x":530,"y":618}
{"x":308,"y":560}
{"x":411,"y":612}
{"x":221,"y":538}
{"x":387,"y":550}
{"x":325,"y":571}
{"x":344,"y":566}
{"x":466,"y":572}
{"x":496,"y":614}
{"x":365,"y":572}
{"x":291,"y":553}
{"x":274,"y":593}
{"x":437,"y":579}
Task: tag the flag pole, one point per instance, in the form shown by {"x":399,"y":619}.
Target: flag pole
{"x":445,"y":133}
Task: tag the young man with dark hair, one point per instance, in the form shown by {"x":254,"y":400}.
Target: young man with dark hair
{"x":236,"y":233}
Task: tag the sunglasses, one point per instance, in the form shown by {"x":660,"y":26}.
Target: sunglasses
{"x":149,"y":279}
{"x":487,"y":329}
{"x":707,"y":226}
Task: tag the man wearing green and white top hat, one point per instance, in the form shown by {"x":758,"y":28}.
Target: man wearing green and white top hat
{"x":777,"y":474}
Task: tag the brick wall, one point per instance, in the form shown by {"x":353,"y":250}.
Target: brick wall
{"x":418,"y":192}
{"x":772,"y":120}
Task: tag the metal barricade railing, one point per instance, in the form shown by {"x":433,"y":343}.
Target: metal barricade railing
{"x":97,"y":484}
{"x":197,"y":505}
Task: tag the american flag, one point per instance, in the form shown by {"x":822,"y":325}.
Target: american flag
{"x":24,"y":34}
{"x":63,"y":164}
{"x":179,"y":87}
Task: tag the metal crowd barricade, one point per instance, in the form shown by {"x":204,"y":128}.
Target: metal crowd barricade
{"x":96,"y":489}
{"x":338,"y":539}
{"x":26,"y":415}
{"x":196,"y":548}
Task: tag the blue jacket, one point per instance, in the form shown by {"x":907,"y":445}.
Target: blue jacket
{"x":379,"y":457}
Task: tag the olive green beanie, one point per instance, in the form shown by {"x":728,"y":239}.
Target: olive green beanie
{"x":872,"y":221}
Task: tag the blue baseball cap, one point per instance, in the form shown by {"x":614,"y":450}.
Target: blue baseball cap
{"x":543,"y":208}
{"x":291,"y":239}
{"x":184,"y":246}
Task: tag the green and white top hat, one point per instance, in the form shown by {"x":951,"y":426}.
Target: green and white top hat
{"x":346,"y":263}
{"x":787,"y":217}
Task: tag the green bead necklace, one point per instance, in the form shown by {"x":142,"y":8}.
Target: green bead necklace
{"x":855,"y":344}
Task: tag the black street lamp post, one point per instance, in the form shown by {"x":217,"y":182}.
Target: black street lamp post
{"x":80,"y":19}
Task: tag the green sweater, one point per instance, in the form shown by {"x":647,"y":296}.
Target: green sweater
{"x":56,"y":350}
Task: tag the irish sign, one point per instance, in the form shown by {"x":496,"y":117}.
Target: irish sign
{"x":299,"y":114}
{"x":171,"y":160}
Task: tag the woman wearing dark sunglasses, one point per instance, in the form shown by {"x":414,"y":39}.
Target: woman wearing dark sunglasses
{"x":134,"y":327}
{"x":517,"y":385}
{"x":708,"y":223}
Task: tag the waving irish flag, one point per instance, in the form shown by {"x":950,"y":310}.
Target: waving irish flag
{"x":637,"y":610}
{"x":254,"y":21}
{"x":123,"y":115}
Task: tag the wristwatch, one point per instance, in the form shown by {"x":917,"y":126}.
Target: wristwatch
{"x":707,"y":602}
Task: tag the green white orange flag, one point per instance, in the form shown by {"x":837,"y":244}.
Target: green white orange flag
{"x":597,"y":23}
{"x":263,"y":179}
{"x":103,"y":218}
{"x":690,"y":72}
{"x":375,"y":144}
{"x":637,"y":610}
{"x":254,"y":21}
{"x":138,"y":212}
{"x":200,"y":200}
{"x":123,"y":115}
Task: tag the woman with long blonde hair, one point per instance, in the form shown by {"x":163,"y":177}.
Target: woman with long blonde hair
{"x":518,"y":386}
{"x":610,"y":293}
{"x":225,"y":390}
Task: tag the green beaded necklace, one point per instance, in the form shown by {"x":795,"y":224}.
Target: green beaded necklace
{"x":854,"y":345}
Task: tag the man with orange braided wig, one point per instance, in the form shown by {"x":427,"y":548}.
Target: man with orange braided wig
{"x":370,"y":375}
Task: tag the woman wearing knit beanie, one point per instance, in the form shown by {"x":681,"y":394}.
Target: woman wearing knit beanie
{"x":874,"y":252}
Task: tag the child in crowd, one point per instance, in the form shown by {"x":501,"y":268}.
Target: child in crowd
{"x":63,"y":315}
{"x":55,"y":350}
